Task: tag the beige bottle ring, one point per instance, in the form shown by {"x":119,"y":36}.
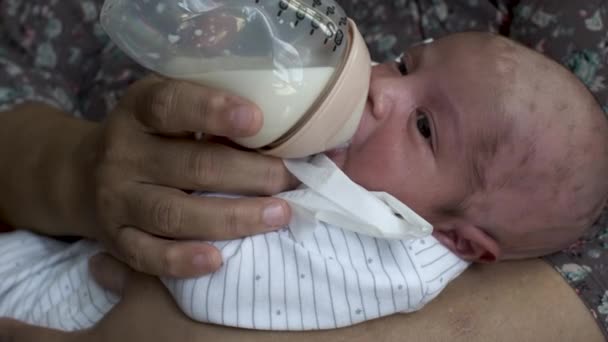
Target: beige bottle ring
{"x":335,"y":117}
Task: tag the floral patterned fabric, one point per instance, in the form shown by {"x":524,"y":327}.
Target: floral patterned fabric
{"x":54,"y":51}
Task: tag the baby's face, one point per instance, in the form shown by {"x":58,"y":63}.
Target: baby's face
{"x":468,"y":113}
{"x":416,"y":132}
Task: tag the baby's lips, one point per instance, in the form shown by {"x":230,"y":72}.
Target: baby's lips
{"x":336,"y":154}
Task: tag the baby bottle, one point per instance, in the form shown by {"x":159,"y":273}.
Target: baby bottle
{"x":303,"y":62}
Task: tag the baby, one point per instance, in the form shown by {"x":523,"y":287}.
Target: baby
{"x":503,"y":151}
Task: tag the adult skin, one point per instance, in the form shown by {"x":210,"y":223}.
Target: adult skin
{"x":510,"y":301}
{"x":120,"y":181}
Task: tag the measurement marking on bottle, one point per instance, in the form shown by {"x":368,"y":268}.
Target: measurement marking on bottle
{"x":320,"y":15}
{"x":283,"y":6}
{"x":300,"y":16}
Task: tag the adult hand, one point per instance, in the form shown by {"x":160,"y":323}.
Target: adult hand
{"x":144,"y":160}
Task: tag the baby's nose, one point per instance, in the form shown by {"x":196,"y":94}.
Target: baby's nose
{"x":379,"y":102}
{"x":384,"y":94}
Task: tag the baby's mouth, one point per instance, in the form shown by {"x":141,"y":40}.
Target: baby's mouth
{"x":338,"y":153}
{"x":338,"y":149}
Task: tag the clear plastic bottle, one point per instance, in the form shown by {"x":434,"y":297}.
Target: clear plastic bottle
{"x":284,"y":55}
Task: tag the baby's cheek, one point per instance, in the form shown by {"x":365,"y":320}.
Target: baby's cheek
{"x":418,"y":191}
{"x":364,"y":175}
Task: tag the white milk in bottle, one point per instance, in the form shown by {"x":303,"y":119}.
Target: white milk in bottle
{"x":283,"y":95}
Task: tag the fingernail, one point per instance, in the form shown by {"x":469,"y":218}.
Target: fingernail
{"x":206,"y":262}
{"x":274,"y":215}
{"x":242,"y":118}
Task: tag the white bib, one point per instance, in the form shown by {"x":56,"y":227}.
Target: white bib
{"x":329,"y":196}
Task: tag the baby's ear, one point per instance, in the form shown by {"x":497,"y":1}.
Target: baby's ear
{"x":468,"y":241}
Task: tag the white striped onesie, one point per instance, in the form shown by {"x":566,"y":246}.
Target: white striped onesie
{"x":335,"y":278}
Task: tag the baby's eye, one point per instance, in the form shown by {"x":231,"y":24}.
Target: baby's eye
{"x":424,"y":125}
{"x":402,"y":66}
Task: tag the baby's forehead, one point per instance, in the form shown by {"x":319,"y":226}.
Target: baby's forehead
{"x":466,"y":46}
{"x":503,"y":140}
{"x":503,"y":94}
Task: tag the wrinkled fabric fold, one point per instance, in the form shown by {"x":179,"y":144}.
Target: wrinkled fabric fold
{"x":328,"y":196}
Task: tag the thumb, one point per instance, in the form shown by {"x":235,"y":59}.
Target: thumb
{"x":14,"y":331}
{"x":109,"y":273}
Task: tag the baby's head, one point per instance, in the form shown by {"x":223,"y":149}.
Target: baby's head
{"x":501,"y":149}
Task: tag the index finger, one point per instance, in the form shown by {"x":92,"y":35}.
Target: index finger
{"x":171,"y":106}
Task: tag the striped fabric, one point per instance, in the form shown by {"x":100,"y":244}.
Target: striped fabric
{"x":46,"y":282}
{"x":335,"y":278}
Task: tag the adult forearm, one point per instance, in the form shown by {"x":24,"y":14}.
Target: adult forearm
{"x":511,"y":301}
{"x":41,"y":157}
